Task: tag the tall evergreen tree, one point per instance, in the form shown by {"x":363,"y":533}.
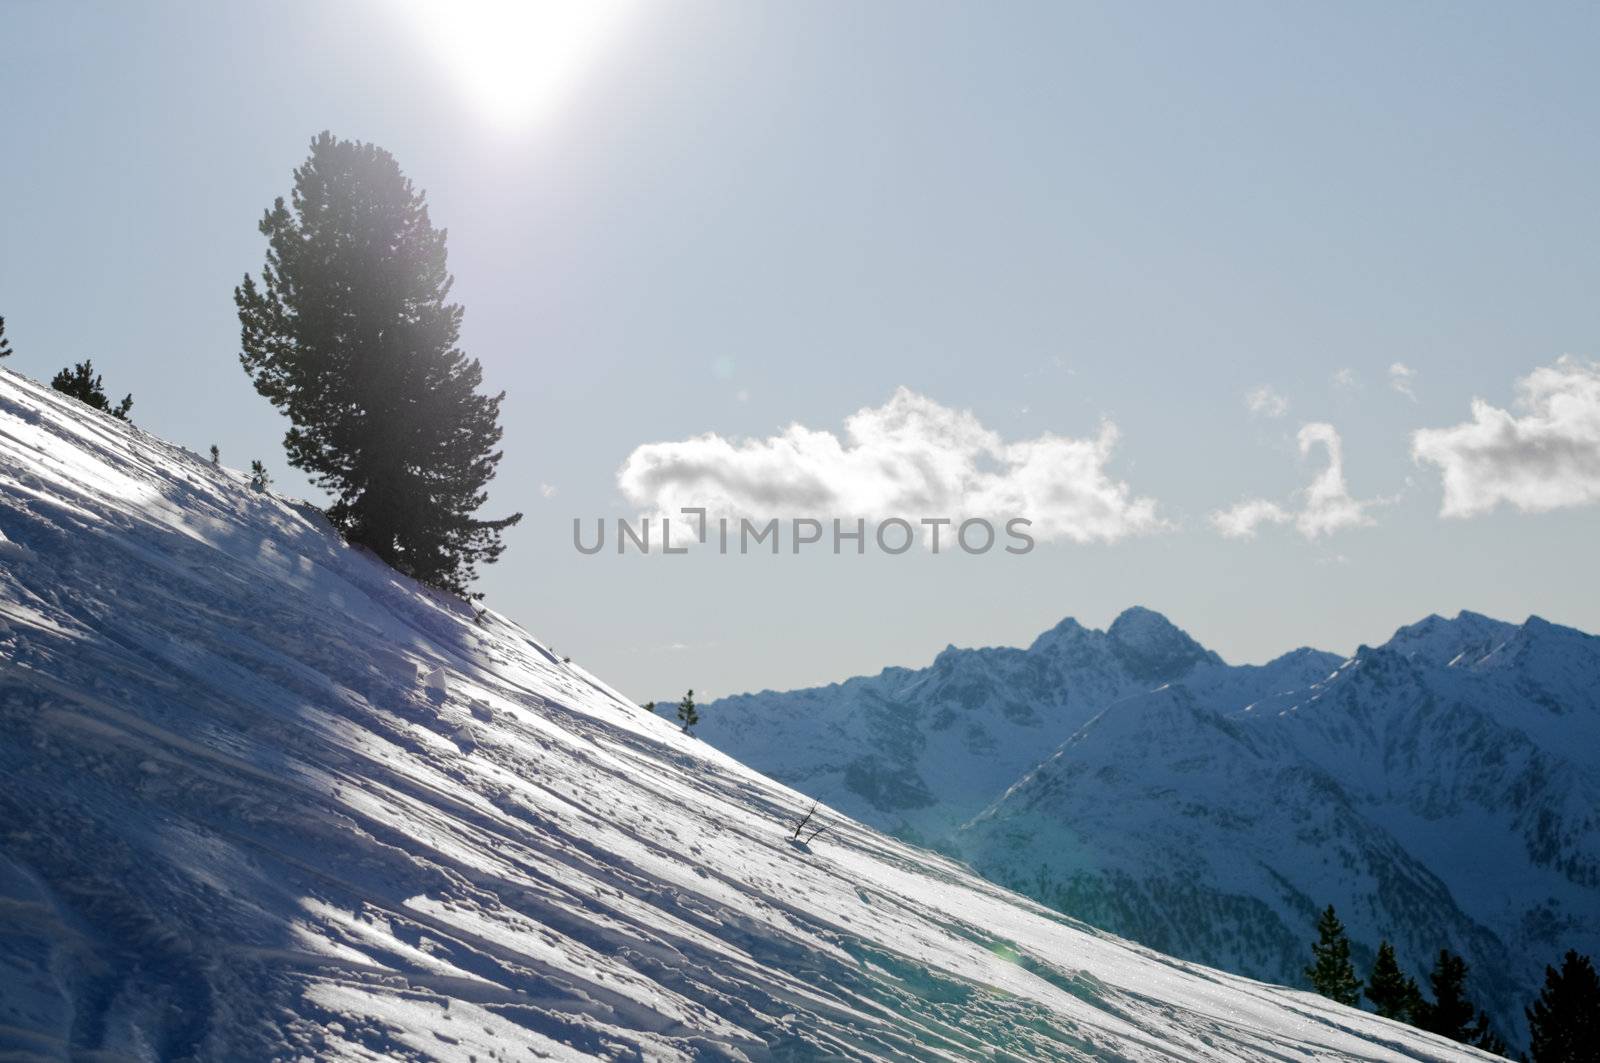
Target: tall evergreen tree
{"x":1565,"y":1020}
{"x":1393,"y":994}
{"x":83,"y":384}
{"x":688,"y":715}
{"x":5,"y":344}
{"x":1331,"y":972}
{"x":349,"y":333}
{"x":1450,"y":1013}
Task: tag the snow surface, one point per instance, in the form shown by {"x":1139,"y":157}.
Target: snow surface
{"x":240,"y":823}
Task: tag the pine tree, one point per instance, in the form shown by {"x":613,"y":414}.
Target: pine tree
{"x":650,"y":707}
{"x":82,"y":383}
{"x":260,"y":479}
{"x":1565,"y":1020}
{"x":1485,"y":1038}
{"x":5,"y":344}
{"x":1393,"y":994}
{"x":1331,"y":972}
{"x":688,"y":715}
{"x":216,"y":455}
{"x":1449,"y":1013}
{"x":349,"y":333}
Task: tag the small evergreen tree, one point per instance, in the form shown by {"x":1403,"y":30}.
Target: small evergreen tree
{"x":1331,"y":972}
{"x":260,"y":479}
{"x":650,"y":707}
{"x":688,"y":716}
{"x":5,"y":344}
{"x":83,"y":384}
{"x":1393,"y":994}
{"x":1449,"y":1013}
{"x":350,"y":334}
{"x":1565,"y":1021}
{"x":216,"y":455}
{"x":1485,"y":1038}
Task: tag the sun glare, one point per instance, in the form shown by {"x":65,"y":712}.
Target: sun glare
{"x":518,"y":58}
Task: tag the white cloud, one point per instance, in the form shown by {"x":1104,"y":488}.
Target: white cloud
{"x":547,"y":490}
{"x":1547,"y":458}
{"x":1346,"y":378}
{"x":1401,"y":377}
{"x":1240,"y":521}
{"x":1266,"y":402}
{"x":909,"y":458}
{"x":1325,"y":505}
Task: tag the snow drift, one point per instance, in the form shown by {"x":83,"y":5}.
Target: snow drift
{"x":262,"y":798}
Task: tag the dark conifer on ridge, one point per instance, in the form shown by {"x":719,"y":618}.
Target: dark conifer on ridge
{"x":349,"y":333}
{"x":1331,"y":972}
{"x":84,"y":384}
{"x":1393,"y":994}
{"x":1565,"y":1021}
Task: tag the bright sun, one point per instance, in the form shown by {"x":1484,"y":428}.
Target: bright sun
{"x":516,"y":58}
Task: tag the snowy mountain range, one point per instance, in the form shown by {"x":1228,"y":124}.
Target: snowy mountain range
{"x":1441,"y":790}
{"x":262,"y":798}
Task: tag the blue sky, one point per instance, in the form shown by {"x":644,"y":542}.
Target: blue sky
{"x":732,"y":218}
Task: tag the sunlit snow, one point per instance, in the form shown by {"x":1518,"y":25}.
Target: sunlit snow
{"x":242,"y":821}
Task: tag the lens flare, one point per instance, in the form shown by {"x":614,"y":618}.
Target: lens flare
{"x":517,"y":59}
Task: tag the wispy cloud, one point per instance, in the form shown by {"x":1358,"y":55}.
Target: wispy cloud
{"x":1401,"y":377}
{"x":674,"y":647}
{"x":910,"y":457}
{"x":1264,"y":401}
{"x":1321,"y":508}
{"x":1346,"y":378}
{"x":1240,"y":521}
{"x":1546,"y":458}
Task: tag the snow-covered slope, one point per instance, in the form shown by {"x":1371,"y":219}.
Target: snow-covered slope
{"x":919,"y":752}
{"x":261,"y":798}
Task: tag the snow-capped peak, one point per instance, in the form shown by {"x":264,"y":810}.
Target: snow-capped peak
{"x":1151,"y":647}
{"x":1458,"y":643}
